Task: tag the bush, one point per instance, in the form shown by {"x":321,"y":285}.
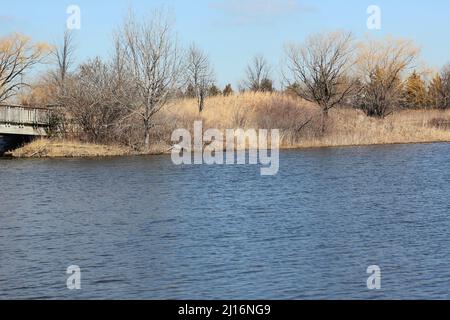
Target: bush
{"x":440,"y":123}
{"x":228,"y":91}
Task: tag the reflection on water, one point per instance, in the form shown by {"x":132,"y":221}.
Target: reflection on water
{"x":144,"y":228}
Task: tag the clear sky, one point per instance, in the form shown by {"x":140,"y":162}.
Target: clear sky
{"x":232,"y":31}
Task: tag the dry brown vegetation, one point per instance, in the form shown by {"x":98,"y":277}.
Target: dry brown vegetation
{"x":298,"y":120}
{"x":17,"y":54}
{"x":47,"y":148}
{"x":335,"y":91}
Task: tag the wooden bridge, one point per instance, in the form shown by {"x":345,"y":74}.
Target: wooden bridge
{"x":23,"y":121}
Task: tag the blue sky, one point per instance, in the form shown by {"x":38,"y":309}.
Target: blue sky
{"x":232,"y":31}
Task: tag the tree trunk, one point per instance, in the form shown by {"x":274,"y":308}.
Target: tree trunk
{"x":201,"y":103}
{"x":324,"y":119}
{"x":147,"y":140}
{"x":147,"y":134}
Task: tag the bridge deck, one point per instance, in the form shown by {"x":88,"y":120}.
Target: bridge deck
{"x":20,"y":120}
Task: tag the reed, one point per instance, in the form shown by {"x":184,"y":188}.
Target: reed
{"x":298,"y":121}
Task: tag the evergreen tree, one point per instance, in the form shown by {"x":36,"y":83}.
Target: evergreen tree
{"x":292,"y":89}
{"x":435,"y":92}
{"x":228,"y":91}
{"x":258,"y":75}
{"x":266,"y":85}
{"x":415,"y":93}
{"x":381,"y":94}
{"x":190,"y":91}
{"x":445,"y":88}
{"x":214,"y":91}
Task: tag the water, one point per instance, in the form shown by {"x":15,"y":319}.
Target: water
{"x":142,"y":228}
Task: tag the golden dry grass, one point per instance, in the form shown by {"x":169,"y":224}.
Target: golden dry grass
{"x":346,"y":126}
{"x":44,"y":148}
{"x":350,"y":127}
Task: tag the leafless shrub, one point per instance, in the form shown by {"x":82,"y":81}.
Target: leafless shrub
{"x":151,"y":54}
{"x":199,"y":73}
{"x":63,"y":56}
{"x":258,"y":75}
{"x":440,"y":123}
{"x":381,"y":65}
{"x":91,"y":102}
{"x":321,"y":69}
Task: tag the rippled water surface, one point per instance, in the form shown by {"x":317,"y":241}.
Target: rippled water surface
{"x":144,"y":228}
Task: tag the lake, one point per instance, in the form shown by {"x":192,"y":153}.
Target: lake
{"x":142,"y":228}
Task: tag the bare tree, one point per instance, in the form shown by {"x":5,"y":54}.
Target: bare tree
{"x":17,"y":56}
{"x":125,"y":87}
{"x":381,"y":67}
{"x":90,"y":101}
{"x":119,"y":63}
{"x":63,"y":55}
{"x":445,"y":95}
{"x":152,"y":56}
{"x":258,"y":75}
{"x":199,"y":73}
{"x":321,"y":70}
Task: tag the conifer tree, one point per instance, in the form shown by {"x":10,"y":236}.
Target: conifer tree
{"x":214,"y":91}
{"x":435,"y":92}
{"x":228,"y":91}
{"x":415,"y":93}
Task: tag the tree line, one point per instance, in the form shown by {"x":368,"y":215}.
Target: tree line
{"x":116,"y":99}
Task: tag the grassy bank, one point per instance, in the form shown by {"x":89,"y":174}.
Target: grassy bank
{"x":45,"y":148}
{"x":299,"y":122}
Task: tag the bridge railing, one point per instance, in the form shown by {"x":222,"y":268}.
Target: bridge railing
{"x":20,"y":115}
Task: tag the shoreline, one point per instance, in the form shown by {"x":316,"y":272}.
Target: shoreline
{"x":346,"y":127}
{"x":115,"y":151}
